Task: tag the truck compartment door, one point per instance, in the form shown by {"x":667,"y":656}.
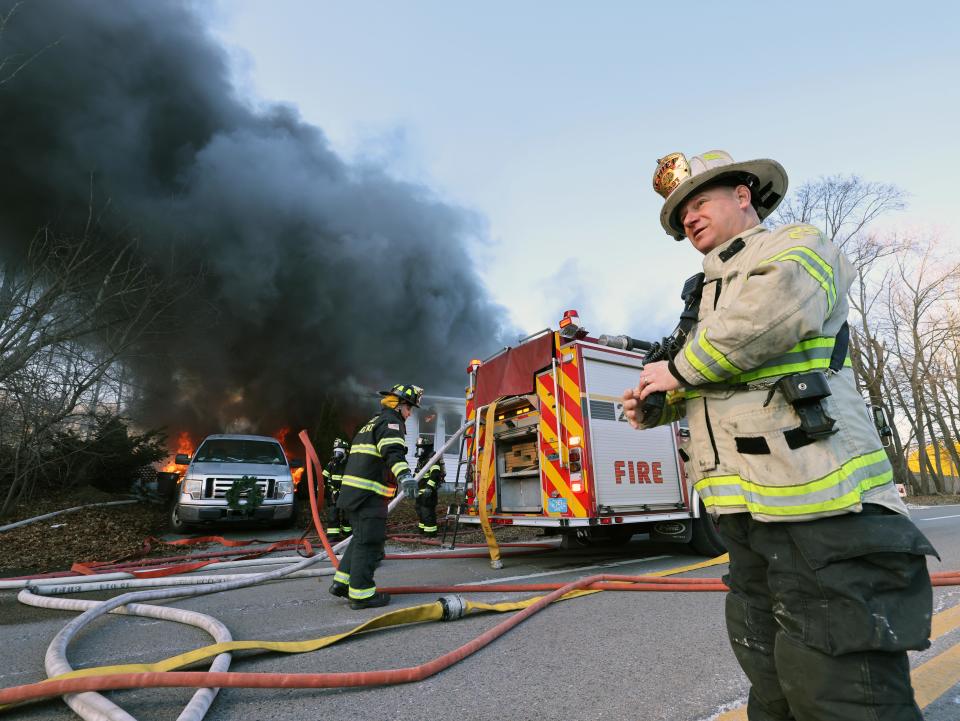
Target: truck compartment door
{"x":518,"y":471}
{"x":632,"y":470}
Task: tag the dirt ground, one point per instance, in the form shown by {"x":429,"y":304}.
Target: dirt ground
{"x":119,"y":532}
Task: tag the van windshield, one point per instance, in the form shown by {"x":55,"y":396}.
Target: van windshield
{"x":229,"y":450}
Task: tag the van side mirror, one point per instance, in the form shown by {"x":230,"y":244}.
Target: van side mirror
{"x":296,"y":463}
{"x":182,"y":459}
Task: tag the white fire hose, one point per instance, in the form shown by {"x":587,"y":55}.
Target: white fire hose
{"x":94,"y":707}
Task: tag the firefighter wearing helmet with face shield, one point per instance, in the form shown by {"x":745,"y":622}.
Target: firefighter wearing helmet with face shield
{"x":337,"y":522}
{"x":427,"y":488}
{"x":376,"y":469}
{"x":828,"y":579}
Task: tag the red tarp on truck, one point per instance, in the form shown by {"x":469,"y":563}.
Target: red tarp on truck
{"x":511,"y":373}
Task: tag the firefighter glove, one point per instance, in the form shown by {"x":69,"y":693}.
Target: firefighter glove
{"x":408,"y":485}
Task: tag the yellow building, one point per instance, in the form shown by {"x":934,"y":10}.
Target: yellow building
{"x":946,"y":461}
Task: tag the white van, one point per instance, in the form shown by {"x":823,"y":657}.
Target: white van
{"x":220,"y":461}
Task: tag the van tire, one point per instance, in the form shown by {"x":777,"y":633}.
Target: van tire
{"x":706,"y":539}
{"x":177,"y":525}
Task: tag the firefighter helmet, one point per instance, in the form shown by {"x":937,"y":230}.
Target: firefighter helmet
{"x":340,"y":448}
{"x":424,"y":447}
{"x":406,"y":393}
{"x":678,"y":178}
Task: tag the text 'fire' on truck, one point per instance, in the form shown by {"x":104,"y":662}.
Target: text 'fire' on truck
{"x":560,"y":454}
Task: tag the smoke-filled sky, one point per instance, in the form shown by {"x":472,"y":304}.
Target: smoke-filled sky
{"x":378,"y":191}
{"x":312,"y":272}
{"x":549,"y":117}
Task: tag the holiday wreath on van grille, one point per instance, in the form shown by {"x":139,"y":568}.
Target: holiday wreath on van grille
{"x":247,"y":489}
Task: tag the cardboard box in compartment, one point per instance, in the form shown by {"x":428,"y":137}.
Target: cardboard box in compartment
{"x":521,"y":457}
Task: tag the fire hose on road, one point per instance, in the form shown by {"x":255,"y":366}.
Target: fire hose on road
{"x":80,"y":687}
{"x":93,"y":706}
{"x":449,"y":608}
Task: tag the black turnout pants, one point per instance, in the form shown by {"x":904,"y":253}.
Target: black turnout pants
{"x":332,"y":512}
{"x":821,"y":613}
{"x":365,"y":551}
{"x":337,"y":520}
{"x":427,"y":510}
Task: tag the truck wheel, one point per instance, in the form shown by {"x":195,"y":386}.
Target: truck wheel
{"x":706,"y":537}
{"x":176,"y":523}
{"x":576,"y":538}
{"x":621,"y":535}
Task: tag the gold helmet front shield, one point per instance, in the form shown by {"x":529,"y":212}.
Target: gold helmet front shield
{"x":672,"y":170}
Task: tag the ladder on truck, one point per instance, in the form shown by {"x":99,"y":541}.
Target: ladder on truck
{"x":455,"y":509}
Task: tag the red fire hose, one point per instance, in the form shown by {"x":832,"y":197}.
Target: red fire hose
{"x":199,"y":679}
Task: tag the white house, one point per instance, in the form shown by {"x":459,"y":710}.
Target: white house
{"x":438,"y":417}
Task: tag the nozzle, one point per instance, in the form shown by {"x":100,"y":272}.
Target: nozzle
{"x":624,"y":342}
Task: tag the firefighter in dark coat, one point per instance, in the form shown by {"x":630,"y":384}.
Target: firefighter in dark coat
{"x":376,"y":468}
{"x":337,"y":522}
{"x":427,"y":488}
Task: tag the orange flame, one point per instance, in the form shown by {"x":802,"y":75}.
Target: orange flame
{"x":281,"y":435}
{"x":184,"y":445}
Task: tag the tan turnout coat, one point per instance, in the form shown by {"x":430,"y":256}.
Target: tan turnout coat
{"x":770,"y":309}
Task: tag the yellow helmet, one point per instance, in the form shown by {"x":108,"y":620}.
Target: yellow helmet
{"x":406,"y":393}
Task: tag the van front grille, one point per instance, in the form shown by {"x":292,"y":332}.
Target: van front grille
{"x":218,"y":487}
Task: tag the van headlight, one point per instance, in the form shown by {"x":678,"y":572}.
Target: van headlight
{"x":194,"y":489}
{"x":283,"y":488}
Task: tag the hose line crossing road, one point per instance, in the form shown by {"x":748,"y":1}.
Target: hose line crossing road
{"x":604,"y":655}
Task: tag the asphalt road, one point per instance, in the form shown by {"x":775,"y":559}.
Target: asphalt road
{"x":652,"y":656}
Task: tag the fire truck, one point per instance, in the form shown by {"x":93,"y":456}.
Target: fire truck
{"x":548,"y":446}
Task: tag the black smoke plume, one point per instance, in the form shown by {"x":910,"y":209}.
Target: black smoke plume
{"x":313,"y":274}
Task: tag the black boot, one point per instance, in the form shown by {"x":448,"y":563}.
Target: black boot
{"x":375,"y":601}
{"x":339,"y":590}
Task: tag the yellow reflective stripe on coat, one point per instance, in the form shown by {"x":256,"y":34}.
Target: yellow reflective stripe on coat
{"x":367,"y":449}
{"x":707,"y":360}
{"x":368,"y":485}
{"x":810,"y":354}
{"x":852,"y":479}
{"x":817,"y":267}
{"x":399,"y":467}
{"x":389,"y":441}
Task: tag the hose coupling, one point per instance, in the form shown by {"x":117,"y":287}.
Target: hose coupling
{"x":454,"y":607}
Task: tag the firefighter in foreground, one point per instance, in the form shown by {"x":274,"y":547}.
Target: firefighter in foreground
{"x":427,"y":488}
{"x":378,"y":455}
{"x":828,"y":577}
{"x":337,"y":522}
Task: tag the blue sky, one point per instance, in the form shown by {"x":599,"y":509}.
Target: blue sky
{"x":546,"y":119}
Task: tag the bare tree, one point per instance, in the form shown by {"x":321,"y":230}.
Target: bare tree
{"x":844,"y":207}
{"x":71,"y":312}
{"x":917,"y":319}
{"x":11,"y":65}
